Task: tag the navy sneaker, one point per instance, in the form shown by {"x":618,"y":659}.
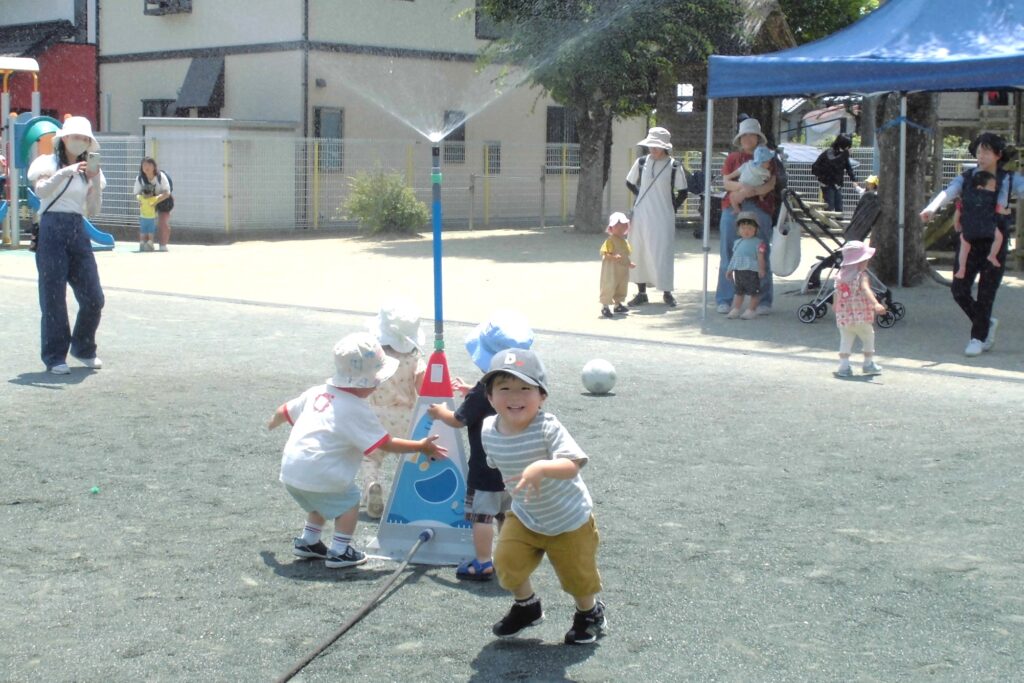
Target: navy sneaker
{"x":518,"y":618}
{"x":310,"y":551}
{"x":587,"y":626}
{"x":350,"y":558}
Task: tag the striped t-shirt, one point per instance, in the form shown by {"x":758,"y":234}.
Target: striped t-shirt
{"x":563,"y":504}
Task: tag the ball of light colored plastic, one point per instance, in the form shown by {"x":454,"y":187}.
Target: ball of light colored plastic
{"x":598,"y":376}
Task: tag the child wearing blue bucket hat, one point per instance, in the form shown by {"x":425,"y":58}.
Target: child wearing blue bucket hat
{"x":486,"y":498}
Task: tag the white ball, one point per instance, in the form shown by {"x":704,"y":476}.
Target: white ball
{"x":598,"y":376}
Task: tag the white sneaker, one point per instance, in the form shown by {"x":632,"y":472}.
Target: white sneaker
{"x":990,"y":340}
{"x":764,"y":310}
{"x":374,"y":500}
{"x":91,"y":363}
{"x":974,"y":348}
{"x":723,"y":308}
{"x":61,"y":369}
{"x":871,"y":368}
{"x":733,"y":314}
{"x":163,"y":247}
{"x":748,"y":315}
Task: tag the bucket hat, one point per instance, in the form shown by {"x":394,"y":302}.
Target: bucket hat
{"x":657,"y":137}
{"x":747,"y":217}
{"x":78,"y":125}
{"x":615,"y":219}
{"x":855,"y":251}
{"x":762,"y":154}
{"x":522,"y":363}
{"x":503,"y":330}
{"x":360,"y":362}
{"x":397,"y":325}
{"x":749,"y":126}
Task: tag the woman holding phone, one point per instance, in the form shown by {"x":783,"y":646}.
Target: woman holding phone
{"x":70,"y":186}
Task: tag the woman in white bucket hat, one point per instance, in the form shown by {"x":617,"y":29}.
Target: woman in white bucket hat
{"x":659,"y":183}
{"x":68,"y":190}
{"x":758,"y":200}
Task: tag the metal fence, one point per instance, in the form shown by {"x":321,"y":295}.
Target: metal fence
{"x":247,"y":185}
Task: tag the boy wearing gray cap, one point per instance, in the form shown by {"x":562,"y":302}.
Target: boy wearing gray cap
{"x":333,"y":428}
{"x":552,"y":512}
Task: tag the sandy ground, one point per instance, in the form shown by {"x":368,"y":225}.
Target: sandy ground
{"x":760,"y":520}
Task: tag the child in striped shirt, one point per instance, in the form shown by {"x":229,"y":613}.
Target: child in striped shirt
{"x":552,"y":511}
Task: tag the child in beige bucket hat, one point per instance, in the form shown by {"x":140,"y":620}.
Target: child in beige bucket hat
{"x":333,"y":427}
{"x":397,"y":327}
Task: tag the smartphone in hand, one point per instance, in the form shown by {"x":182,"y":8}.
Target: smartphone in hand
{"x":92,"y":163}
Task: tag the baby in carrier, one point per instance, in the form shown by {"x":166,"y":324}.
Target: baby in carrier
{"x":975,"y":220}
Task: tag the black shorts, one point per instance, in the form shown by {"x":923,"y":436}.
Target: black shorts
{"x":747,"y":282}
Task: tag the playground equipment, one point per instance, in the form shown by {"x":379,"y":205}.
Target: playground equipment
{"x":20,"y":133}
{"x":430,"y":494}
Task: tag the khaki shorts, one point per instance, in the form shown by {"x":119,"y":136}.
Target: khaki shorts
{"x":572,"y":554}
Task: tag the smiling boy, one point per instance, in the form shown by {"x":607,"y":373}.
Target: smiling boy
{"x":552,"y":512}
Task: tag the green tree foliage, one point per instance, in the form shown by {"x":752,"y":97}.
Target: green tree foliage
{"x":382,"y":202}
{"x":601,"y":59}
{"x":814,"y":19}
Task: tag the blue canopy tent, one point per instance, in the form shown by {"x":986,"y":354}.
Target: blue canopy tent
{"x":903,"y":46}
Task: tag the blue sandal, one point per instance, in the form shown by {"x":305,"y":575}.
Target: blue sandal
{"x":474,"y":570}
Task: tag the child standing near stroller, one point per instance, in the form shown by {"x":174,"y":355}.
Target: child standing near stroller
{"x":747,"y":267}
{"x":855,"y":307}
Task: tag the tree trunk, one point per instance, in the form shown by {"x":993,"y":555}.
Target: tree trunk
{"x":921,"y":110}
{"x":594,"y":131}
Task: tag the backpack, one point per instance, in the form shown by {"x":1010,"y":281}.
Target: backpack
{"x":167,"y":204}
{"x":978,"y":208}
{"x":676,"y":203}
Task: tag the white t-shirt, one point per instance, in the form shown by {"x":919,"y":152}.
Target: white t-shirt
{"x":49,"y":181}
{"x":331,"y":432}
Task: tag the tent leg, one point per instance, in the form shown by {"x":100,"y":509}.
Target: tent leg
{"x":903,"y":186}
{"x":708,"y":138}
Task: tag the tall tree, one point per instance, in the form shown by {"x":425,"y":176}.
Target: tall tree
{"x":601,"y":60}
{"x":814,"y":19}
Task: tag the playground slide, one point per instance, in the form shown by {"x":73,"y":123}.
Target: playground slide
{"x":101,"y":241}
{"x":3,"y":210}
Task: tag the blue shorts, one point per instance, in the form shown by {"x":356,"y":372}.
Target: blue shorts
{"x":147,"y":226}
{"x":329,"y":505}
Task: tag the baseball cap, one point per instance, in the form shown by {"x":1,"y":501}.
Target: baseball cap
{"x":521,"y":363}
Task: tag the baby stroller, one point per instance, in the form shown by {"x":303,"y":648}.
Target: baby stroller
{"x":821,"y":227}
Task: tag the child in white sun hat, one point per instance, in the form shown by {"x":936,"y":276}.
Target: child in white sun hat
{"x":333,"y":428}
{"x":397,"y":328}
{"x":856,"y":306}
{"x":615,"y":265}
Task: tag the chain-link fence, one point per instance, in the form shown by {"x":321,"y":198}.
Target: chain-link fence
{"x":276,"y":185}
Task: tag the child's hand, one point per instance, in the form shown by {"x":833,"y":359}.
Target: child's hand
{"x":729,"y":276}
{"x":529,"y":481}
{"x":925,"y":216}
{"x":880,"y":309}
{"x":632,"y":265}
{"x":460,"y":387}
{"x":436,"y":410}
{"x":429,"y":447}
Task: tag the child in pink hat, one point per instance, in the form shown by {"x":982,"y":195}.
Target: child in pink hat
{"x":855,"y":306}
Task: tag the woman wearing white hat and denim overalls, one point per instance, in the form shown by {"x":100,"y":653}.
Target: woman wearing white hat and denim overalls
{"x":68,"y":190}
{"x":759,"y":200}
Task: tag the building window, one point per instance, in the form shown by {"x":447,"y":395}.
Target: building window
{"x":161,"y":7}
{"x":329,"y":128}
{"x":454,"y":146}
{"x":684,"y":98}
{"x":492,"y":157}
{"x":486,"y":28}
{"x":158,"y":108}
{"x":563,"y":150}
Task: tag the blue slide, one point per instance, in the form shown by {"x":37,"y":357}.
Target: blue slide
{"x":101,"y":241}
{"x":3,"y":210}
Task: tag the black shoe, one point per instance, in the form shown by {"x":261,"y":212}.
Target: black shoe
{"x":350,"y":558}
{"x":606,"y":312}
{"x":587,"y":626}
{"x":309,"y":550}
{"x":638,"y":300}
{"x":669,"y":299}
{"x":518,"y":618}
{"x":619,"y":308}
